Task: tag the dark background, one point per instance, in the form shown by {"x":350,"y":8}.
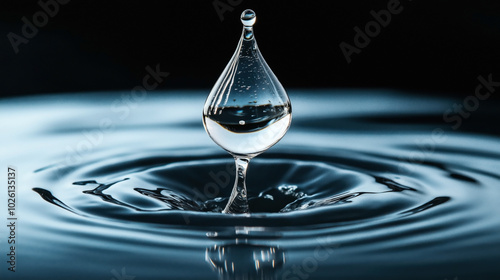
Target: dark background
{"x":431,"y":46}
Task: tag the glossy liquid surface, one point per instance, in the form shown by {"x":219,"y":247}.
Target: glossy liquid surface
{"x":347,"y":194}
{"x":248,"y":130}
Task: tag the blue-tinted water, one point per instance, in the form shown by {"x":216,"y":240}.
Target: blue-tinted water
{"x":365,"y":185}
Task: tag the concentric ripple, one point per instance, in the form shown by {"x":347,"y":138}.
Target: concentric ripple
{"x":346,"y":187}
{"x":357,"y":189}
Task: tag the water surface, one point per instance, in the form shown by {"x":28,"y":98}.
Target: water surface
{"x":365,"y":185}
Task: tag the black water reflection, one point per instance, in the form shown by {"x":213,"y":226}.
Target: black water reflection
{"x":246,"y":255}
{"x":245,"y":261}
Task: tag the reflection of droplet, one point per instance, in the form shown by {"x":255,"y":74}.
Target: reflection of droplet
{"x":245,"y":261}
{"x":242,"y":122}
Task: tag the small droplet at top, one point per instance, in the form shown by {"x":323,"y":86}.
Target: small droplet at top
{"x":248,"y":18}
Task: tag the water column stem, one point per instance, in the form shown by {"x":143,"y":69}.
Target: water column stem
{"x":238,"y":202}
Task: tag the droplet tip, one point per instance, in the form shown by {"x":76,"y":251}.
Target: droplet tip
{"x":248,"y":18}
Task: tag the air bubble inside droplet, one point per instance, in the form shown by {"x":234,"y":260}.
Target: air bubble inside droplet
{"x":242,"y":122}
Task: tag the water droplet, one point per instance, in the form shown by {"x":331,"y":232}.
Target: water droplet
{"x":259,"y":115}
{"x":248,"y":18}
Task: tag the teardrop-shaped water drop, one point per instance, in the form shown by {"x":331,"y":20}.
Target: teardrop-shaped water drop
{"x":247,"y":110}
